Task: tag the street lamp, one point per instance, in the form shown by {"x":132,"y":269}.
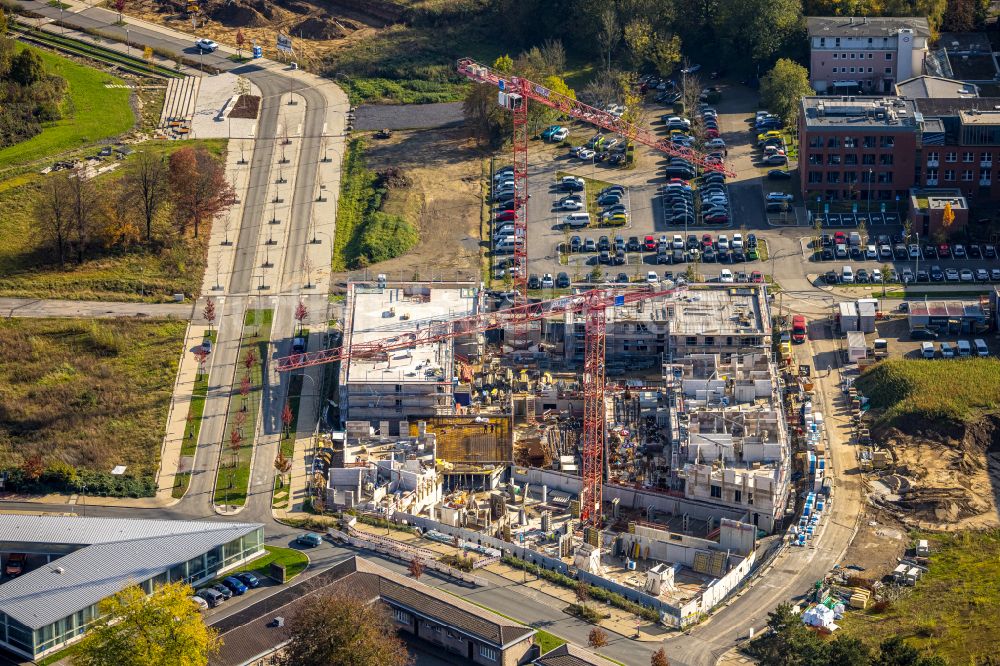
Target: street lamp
{"x":128,"y":45}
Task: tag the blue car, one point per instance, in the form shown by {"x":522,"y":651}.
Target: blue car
{"x":234,"y":584}
{"x":309,"y":539}
{"x":549,"y":131}
{"x":248,"y":579}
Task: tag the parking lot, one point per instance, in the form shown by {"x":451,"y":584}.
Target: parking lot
{"x":911,"y":262}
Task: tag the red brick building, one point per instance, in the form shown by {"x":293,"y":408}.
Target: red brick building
{"x":857,"y":148}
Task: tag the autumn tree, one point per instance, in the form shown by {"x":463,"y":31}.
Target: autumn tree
{"x":343,"y":627}
{"x":245,"y":389}
{"x":597,"y":638}
{"x":52,"y":213}
{"x":240,"y":418}
{"x":120,"y":8}
{"x":209,"y":312}
{"x":282,"y":466}
{"x":301,"y":313}
{"x":147,"y":179}
{"x":201,"y":355}
{"x":135,"y":629}
{"x":659,"y":658}
{"x":241,"y":41}
{"x":33,"y":467}
{"x":117,"y":210}
{"x":286,"y":418}
{"x":235,"y":443}
{"x":250,"y":359}
{"x":199,"y":186}
{"x":582,"y":592}
{"x":416,"y":568}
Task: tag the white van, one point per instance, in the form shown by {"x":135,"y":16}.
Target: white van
{"x":964,"y":348}
{"x":506,"y":245}
{"x":982,"y":350}
{"x":947,"y":351}
{"x":927,"y":350}
{"x":577,"y":220}
{"x":847,"y":275}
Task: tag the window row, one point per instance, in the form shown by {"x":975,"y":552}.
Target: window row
{"x":966,"y":175}
{"x":849,"y":177}
{"x":871,"y":42}
{"x":858,"y":56}
{"x":818,"y":141}
{"x":816,"y":159}
{"x":967,"y":156}
{"x":858,"y":70}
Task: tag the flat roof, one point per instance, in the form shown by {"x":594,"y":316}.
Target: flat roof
{"x":711,"y":309}
{"x":865,"y":26}
{"x":856,"y":111}
{"x":113,"y":553}
{"x":946,"y":309}
{"x":920,"y":87}
{"x":249,"y":633}
{"x":378,"y":313}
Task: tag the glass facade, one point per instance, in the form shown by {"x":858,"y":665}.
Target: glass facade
{"x":206,"y":566}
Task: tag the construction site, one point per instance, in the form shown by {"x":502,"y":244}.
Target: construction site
{"x":472,"y":422}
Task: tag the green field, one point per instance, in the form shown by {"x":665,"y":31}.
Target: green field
{"x":90,"y":393}
{"x":28,"y":270}
{"x":295,"y":562}
{"x":952,"y":610}
{"x":91,"y":112}
{"x":233,"y":480}
{"x":953,"y":390}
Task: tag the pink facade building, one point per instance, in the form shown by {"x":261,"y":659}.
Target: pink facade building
{"x":865,"y":54}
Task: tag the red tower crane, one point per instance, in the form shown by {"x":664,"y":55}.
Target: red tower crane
{"x":513,"y":94}
{"x":592,"y":304}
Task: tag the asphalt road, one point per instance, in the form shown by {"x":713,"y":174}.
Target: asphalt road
{"x":36,"y":307}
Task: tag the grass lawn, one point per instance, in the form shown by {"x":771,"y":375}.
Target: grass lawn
{"x":192,"y":428}
{"x":295,"y":562}
{"x":961,"y":389}
{"x":28,"y":269}
{"x":952,"y":610}
{"x":233,"y":480}
{"x":91,"y":112}
{"x":91,"y":393}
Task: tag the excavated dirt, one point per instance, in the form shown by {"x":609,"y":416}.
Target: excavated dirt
{"x":946,"y":477}
{"x":317,"y":27}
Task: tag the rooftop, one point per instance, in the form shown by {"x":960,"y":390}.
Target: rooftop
{"x":249,"y":633}
{"x":568,"y":654}
{"x":929,"y":308}
{"x":865,"y":26}
{"x":937,"y":199}
{"x":952,"y":106}
{"x":384,"y":312}
{"x":701,"y":309}
{"x":855,"y":112}
{"x":110,"y":554}
{"x":920,"y":87}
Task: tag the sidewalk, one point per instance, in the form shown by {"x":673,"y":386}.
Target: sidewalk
{"x":180,"y":404}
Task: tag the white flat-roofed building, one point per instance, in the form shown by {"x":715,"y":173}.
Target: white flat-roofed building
{"x":413,"y":382}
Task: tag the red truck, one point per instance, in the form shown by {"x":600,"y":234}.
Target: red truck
{"x":799,"y":332}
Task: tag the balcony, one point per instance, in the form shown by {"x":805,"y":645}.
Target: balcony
{"x":985,"y":165}
{"x":933,"y":163}
{"x":985,"y":183}
{"x":931,"y":182}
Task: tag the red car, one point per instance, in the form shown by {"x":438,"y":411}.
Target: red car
{"x":840,"y":238}
{"x":649,"y":242}
{"x":757,"y":277}
{"x":505,"y":216}
{"x":707,"y":242}
{"x":799,"y":332}
{"x":718,"y":218}
{"x":944,"y":251}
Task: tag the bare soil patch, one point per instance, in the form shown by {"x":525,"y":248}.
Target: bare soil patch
{"x":247,"y":106}
{"x":444,"y":202}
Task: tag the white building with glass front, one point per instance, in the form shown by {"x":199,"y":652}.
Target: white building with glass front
{"x":74,"y":563}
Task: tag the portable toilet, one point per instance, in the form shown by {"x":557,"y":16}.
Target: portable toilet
{"x":899,"y":573}
{"x":923,"y":549}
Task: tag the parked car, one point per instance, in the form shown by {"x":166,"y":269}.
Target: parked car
{"x":779,"y":174}
{"x":310,"y":539}
{"x":199,"y":602}
{"x":799,"y":330}
{"x":15,"y":564}
{"x":211,"y":596}
{"x":562,"y":280}
{"x":235,"y":584}
{"x":226,"y":593}
{"x":248,"y":579}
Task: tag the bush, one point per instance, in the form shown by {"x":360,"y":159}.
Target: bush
{"x":386,"y":236}
{"x":585,"y":612}
{"x":460,"y":562}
